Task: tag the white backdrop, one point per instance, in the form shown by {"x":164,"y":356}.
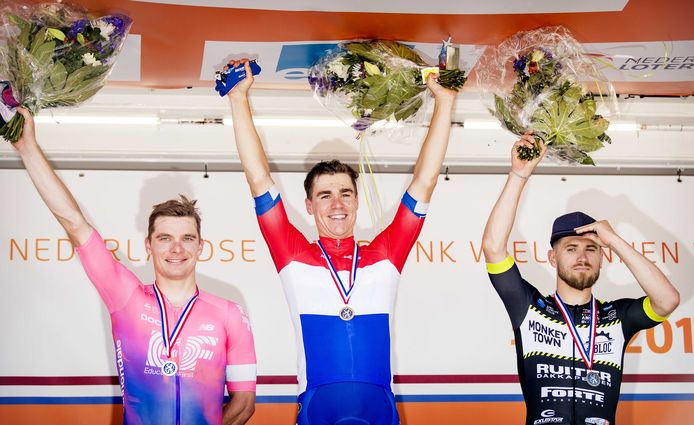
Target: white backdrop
{"x":448,"y":319}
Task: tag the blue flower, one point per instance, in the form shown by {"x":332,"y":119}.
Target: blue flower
{"x":548,"y":54}
{"x":77,"y":27}
{"x":519,"y":64}
{"x":362,"y":123}
{"x":121,"y":22}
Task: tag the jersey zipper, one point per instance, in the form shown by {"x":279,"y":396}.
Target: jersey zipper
{"x":573,"y":372}
{"x":178,"y":399}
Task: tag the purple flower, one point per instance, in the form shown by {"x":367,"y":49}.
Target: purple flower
{"x":362,"y":123}
{"x":121,"y":22}
{"x":8,"y":97}
{"x":548,"y":54}
{"x":519,"y":64}
{"x":319,"y":83}
{"x":76,"y":28}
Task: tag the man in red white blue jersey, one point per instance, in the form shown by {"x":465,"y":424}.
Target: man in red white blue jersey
{"x":340,"y":294}
{"x":569,"y":345}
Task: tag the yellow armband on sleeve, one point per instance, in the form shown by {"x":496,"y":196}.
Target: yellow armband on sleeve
{"x":501,"y":266}
{"x":649,"y":311}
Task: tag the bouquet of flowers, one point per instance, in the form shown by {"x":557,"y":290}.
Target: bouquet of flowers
{"x":376,"y":80}
{"x":554,"y":91}
{"x":53,"y":55}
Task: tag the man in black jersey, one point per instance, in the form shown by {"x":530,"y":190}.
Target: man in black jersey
{"x":570,"y":346}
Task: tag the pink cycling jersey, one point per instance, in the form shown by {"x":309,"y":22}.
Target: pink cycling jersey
{"x":215,"y":347}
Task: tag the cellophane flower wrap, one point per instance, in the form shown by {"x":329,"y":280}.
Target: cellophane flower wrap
{"x":367,"y":81}
{"x":542,"y":81}
{"x":53,"y":55}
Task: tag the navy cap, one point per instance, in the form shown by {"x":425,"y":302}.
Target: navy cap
{"x":564,"y":225}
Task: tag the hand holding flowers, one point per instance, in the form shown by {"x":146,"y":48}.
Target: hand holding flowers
{"x":53,"y":55}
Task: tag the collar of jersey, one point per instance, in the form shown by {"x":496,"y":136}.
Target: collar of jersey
{"x":331,"y":244}
{"x":572,"y":307}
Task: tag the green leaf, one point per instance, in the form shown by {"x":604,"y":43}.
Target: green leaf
{"x":402,"y":89}
{"x":588,"y":144}
{"x":402,"y":51}
{"x":38,"y":40}
{"x":44,"y":53}
{"x":377,"y":92}
{"x":587,"y":161}
{"x":56,"y":33}
{"x":24,"y":29}
{"x":383,"y":112}
{"x":78,"y":76}
{"x":57,"y":76}
{"x":503,"y":113}
{"x":364,"y":51}
{"x":409,"y":110}
{"x":371,"y":69}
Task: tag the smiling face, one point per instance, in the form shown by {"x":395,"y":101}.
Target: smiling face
{"x":333,"y":204}
{"x":577,"y":260}
{"x":175,"y":246}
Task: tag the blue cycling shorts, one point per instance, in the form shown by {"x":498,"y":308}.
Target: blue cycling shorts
{"x":347,"y":403}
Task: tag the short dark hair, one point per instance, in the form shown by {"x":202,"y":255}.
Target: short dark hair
{"x":329,"y":167}
{"x":182,"y":207}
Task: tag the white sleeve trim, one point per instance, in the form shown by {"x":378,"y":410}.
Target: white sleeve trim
{"x":241,"y":373}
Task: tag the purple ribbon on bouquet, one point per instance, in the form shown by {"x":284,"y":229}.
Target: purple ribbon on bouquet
{"x":9,"y":104}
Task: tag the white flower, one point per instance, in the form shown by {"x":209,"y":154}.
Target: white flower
{"x":90,"y":59}
{"x":339,"y":68}
{"x":105,"y":28}
{"x":356,"y":71}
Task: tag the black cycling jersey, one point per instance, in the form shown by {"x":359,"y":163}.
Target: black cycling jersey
{"x":553,"y":376}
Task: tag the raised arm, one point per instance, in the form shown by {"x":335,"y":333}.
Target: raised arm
{"x":251,"y":152}
{"x":663,"y":296}
{"x":433,"y":150}
{"x":503,"y":215}
{"x":57,"y":197}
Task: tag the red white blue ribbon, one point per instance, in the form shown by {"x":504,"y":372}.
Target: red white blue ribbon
{"x":345,"y":293}
{"x":588,"y":355}
{"x":170,"y":339}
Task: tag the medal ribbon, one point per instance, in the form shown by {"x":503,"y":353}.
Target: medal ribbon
{"x":585,"y":355}
{"x":170,"y":340}
{"x":344,"y":292}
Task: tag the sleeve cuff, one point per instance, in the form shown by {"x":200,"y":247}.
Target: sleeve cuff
{"x":501,"y":266}
{"x":648,"y":309}
{"x":419,"y":209}
{"x":266,"y":201}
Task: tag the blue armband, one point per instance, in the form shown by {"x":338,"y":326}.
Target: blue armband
{"x":417,"y":208}
{"x":266,"y":201}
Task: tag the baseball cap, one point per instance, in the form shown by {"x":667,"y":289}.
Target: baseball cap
{"x":564,"y":225}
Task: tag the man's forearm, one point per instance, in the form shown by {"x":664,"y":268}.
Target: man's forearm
{"x":501,"y":219}
{"x":55,"y":194}
{"x":250,"y":149}
{"x":433,"y":151}
{"x":239,"y":409}
{"x":663,"y":295}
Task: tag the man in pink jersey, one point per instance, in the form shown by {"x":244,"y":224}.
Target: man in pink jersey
{"x":176,"y":346}
{"x":340,"y":295}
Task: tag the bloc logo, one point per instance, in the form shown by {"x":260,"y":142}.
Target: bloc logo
{"x":603,"y":343}
{"x":189,"y":352}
